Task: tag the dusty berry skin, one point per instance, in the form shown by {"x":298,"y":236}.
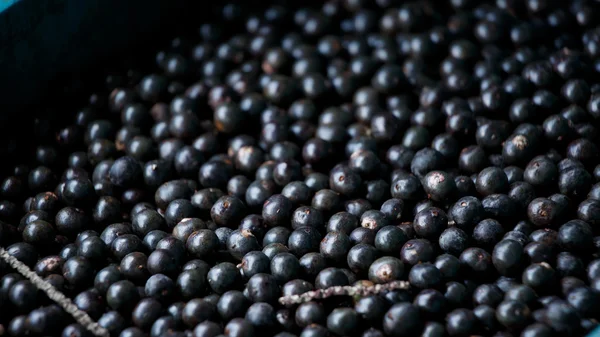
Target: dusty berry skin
{"x":298,"y":149}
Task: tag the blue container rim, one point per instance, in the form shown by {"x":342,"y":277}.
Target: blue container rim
{"x":4,"y":4}
{"x":594,"y":333}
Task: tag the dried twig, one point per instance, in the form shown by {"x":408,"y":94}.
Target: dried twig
{"x":450,"y":223}
{"x":359,"y":289}
{"x":80,"y":316}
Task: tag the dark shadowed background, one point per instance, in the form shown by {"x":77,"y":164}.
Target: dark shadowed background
{"x":52,"y":52}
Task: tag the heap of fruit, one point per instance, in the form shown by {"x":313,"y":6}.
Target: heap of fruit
{"x":452,"y":144}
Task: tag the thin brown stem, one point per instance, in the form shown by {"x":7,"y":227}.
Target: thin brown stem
{"x":80,"y":316}
{"x":360,"y":289}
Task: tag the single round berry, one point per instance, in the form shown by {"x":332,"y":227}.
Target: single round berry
{"x":439,"y":186}
{"x":402,"y":319}
{"x":228,"y":211}
{"x":342,"y":321}
{"x":386,"y":269}
{"x":430,"y":222}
